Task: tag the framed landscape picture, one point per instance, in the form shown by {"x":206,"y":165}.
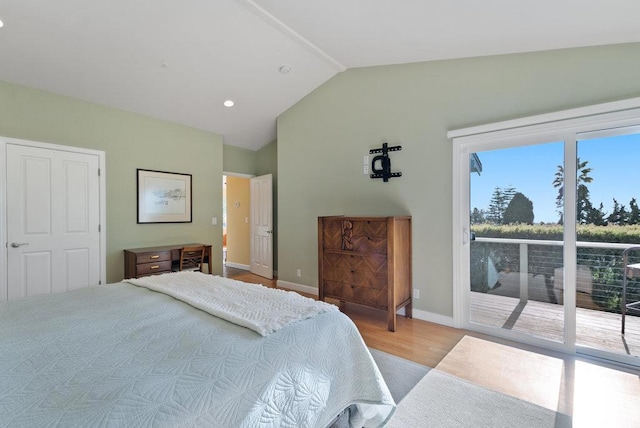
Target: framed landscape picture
{"x":163,"y":197}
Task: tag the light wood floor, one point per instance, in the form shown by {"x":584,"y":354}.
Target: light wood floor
{"x":594,"y":393}
{"x":595,"y":329}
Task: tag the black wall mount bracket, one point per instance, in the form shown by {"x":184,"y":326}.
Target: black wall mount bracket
{"x":381,"y":164}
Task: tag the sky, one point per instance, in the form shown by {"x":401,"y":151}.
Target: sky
{"x":615,"y":164}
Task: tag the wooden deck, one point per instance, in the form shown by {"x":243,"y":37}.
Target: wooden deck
{"x":594,"y":329}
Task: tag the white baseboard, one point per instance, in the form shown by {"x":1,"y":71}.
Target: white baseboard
{"x":245,"y":267}
{"x":417,"y":313}
{"x":432,"y":317}
{"x":238,"y":266}
{"x":297,"y":287}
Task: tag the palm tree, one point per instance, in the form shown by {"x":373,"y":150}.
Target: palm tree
{"x":582,"y":191}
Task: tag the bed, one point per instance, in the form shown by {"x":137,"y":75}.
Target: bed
{"x":131,"y":355}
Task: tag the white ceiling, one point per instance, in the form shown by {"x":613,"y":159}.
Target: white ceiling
{"x":180,"y":60}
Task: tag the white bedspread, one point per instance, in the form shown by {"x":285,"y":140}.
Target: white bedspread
{"x":263,"y":310}
{"x":118,"y":355}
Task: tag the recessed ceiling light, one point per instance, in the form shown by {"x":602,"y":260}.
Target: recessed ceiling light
{"x":229,"y":103}
{"x":1,"y":23}
{"x":285,"y":69}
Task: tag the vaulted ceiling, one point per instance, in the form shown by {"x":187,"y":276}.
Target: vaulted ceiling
{"x":180,"y":60}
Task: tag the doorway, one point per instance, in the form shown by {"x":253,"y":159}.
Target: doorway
{"x":235,"y":221}
{"x":248,"y":223}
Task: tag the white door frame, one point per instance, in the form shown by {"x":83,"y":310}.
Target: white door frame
{"x":3,"y":203}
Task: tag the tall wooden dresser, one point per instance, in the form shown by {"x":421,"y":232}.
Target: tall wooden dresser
{"x":366,"y":260}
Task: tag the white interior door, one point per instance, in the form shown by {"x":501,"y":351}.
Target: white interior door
{"x":53,"y":220}
{"x":262,"y":226}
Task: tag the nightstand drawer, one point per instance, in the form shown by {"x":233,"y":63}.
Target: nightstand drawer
{"x":153,"y":268}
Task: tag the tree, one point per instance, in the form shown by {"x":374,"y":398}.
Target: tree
{"x":619,"y":216}
{"x":595,"y":216}
{"x":519,"y":210}
{"x":634,"y":214}
{"x":582,"y":195}
{"x":477,"y":216}
{"x":499,"y":201}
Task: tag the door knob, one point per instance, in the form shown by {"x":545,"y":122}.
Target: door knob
{"x":18,"y":244}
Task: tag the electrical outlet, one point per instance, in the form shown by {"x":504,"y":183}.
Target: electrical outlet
{"x":416,"y":293}
{"x":214,"y":220}
{"x":299,"y":273}
{"x":365,"y":169}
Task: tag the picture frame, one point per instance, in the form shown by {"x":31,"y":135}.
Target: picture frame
{"x":163,"y":197}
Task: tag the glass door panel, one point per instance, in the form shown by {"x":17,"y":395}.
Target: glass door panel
{"x":608,"y":196}
{"x":516,"y":198}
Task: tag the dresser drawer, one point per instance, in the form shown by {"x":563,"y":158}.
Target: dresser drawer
{"x":352,"y":293}
{"x":153,"y":256}
{"x":369,"y":228}
{"x":367,"y":244}
{"x":367,"y":262}
{"x":153,"y":268}
{"x":358,"y":236}
{"x":365,"y":279}
{"x":364,"y":236}
{"x":332,"y":235}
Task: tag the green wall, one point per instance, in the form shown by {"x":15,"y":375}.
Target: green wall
{"x":130,"y":141}
{"x":239,"y":160}
{"x":323,"y":138}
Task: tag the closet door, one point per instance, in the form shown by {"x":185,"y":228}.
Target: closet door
{"x":53,"y":215}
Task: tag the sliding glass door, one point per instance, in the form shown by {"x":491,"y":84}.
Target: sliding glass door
{"x":516,"y":201}
{"x":546,"y":224}
{"x":608,"y":217}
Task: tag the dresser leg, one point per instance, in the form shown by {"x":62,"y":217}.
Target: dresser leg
{"x":408,"y":310}
{"x":391,"y":318}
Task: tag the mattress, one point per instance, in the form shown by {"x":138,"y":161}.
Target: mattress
{"x":122,"y":355}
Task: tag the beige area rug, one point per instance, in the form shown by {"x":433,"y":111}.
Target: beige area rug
{"x":431,"y":398}
{"x":442,"y":400}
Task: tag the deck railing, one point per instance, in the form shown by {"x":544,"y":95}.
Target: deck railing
{"x":600,"y":262}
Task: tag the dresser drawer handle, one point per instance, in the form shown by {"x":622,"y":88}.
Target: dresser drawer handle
{"x":155,"y":257}
{"x":155,"y":267}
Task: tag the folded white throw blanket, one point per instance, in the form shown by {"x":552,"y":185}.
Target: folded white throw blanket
{"x":264,"y":310}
